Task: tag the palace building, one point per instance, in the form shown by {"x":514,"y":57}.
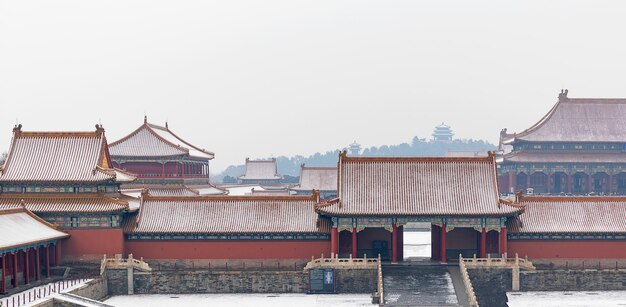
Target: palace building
{"x":577,"y":148}
{"x":27,"y":247}
{"x":319,"y":178}
{"x":262,"y":172}
{"x":227,"y":227}
{"x":158,"y":156}
{"x":67,"y":179}
{"x":377,"y":196}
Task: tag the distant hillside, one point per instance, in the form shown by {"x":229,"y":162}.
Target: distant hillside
{"x":290,"y":166}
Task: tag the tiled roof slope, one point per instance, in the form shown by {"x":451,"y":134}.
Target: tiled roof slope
{"x":60,"y":156}
{"x":261,"y":170}
{"x":578,"y":120}
{"x":19,"y":227}
{"x":59,"y":202}
{"x":155,"y":141}
{"x":317,"y":178}
{"x":388,"y":186}
{"x":229,"y":214}
{"x":570,"y":214}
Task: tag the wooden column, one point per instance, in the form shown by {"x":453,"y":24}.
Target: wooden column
{"x":183,"y":168}
{"x":4,"y":273}
{"x":589,"y":182}
{"x":334,"y":241}
{"x":354,"y":243}
{"x":394,"y":243}
{"x":15,"y":270}
{"x":610,"y":183}
{"x":27,"y":267}
{"x":57,"y":254}
{"x":549,"y":183}
{"x":48,"y":261}
{"x":503,"y":241}
{"x":569,"y":183}
{"x":512,"y":182}
{"x":163,"y":169}
{"x":38,"y":263}
{"x":443,"y":243}
{"x":483,"y":243}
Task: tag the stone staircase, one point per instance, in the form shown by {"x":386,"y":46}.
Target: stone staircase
{"x":422,"y":285}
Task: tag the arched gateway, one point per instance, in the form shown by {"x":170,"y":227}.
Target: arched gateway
{"x":377,"y":196}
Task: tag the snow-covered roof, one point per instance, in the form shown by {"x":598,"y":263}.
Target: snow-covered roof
{"x":317,"y":178}
{"x":570,"y":214}
{"x":60,"y":156}
{"x":19,"y":227}
{"x":228,"y":214}
{"x":397,"y":186}
{"x":578,"y":120}
{"x":63,"y":202}
{"x":151,"y":140}
{"x":261,"y":170}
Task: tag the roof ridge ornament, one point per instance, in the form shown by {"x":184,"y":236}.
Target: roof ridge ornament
{"x":17,"y":128}
{"x":145,"y":119}
{"x":563,"y":95}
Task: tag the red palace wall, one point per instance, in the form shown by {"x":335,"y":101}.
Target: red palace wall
{"x":91,"y":244}
{"x":568,"y":249}
{"x":228,"y":249}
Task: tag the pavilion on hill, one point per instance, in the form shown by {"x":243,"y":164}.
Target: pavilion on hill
{"x":442,"y":133}
{"x":262,"y":172}
{"x":577,"y":148}
{"x":67,"y":179}
{"x":158,"y":156}
{"x":319,"y":178}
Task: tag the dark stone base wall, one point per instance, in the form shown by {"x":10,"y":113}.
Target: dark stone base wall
{"x":204,"y":281}
{"x":490,"y":286}
{"x":356,"y":280}
{"x":573,"y":280}
{"x":181,"y":282}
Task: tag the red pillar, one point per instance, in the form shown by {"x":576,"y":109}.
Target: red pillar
{"x":569,"y":183}
{"x":394,"y":243}
{"x":434,"y":242}
{"x":503,"y":241}
{"x":162,"y":169}
{"x":589,"y":182}
{"x":610,"y":183}
{"x":549,"y":183}
{"x":57,"y":254}
{"x":47,"y":261}
{"x":354,"y":243}
{"x":37,"y":264}
{"x":4,"y":272}
{"x":334,"y":241}
{"x":27,"y":267}
{"x":483,"y":243}
{"x":15,"y":270}
{"x":443,"y":243}
{"x":512,"y":182}
{"x":183,"y":168}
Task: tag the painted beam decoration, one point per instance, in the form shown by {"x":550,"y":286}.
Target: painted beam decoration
{"x":243,"y":236}
{"x":566,"y":236}
{"x":361,"y":223}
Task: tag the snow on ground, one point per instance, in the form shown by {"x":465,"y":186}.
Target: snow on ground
{"x":242,"y":300}
{"x":583,"y":298}
{"x":416,"y":244}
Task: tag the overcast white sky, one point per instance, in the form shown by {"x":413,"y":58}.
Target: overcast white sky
{"x":261,"y":78}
